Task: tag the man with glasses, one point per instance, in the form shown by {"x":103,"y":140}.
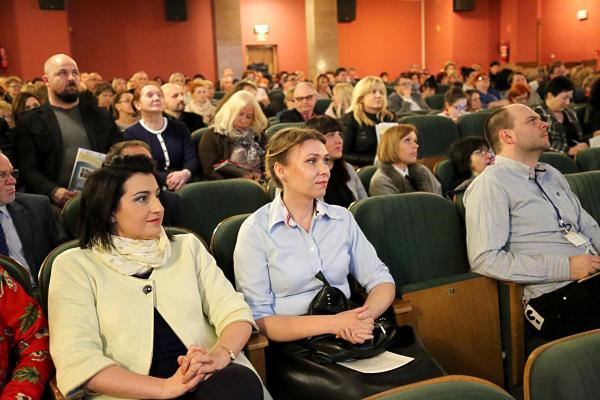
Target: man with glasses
{"x":305,"y":98}
{"x":29,"y":227}
{"x":404,"y":99}
{"x":525,"y":225}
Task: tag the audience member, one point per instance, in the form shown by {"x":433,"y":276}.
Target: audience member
{"x":473,"y":100}
{"x":455,"y":104}
{"x":305,"y":99}
{"x":368,"y":108}
{"x":323,"y":90}
{"x":405,"y":99}
{"x":344,"y":186}
{"x":469,"y":76}
{"x":494,"y":71}
{"x":177,"y":78}
{"x":169,"y":140}
{"x":6,"y":113}
{"x":29,"y":227}
{"x":592,"y":120}
{"x":518,"y":93}
{"x":137,"y":80}
{"x":13,"y":85}
{"x":24,"y":102}
{"x":429,"y":87}
{"x":524,"y":224}
{"x":398,"y":170}
{"x":104,"y":94}
{"x":342,"y":99}
{"x":489,"y":97}
{"x":353,"y":75}
{"x":341,"y":75}
{"x":123,"y":111}
{"x":520,"y":78}
{"x":200,"y":104}
{"x":48,"y":138}
{"x":119,"y":85}
{"x":189,"y":334}
{"x":233,"y":148}
{"x":564,"y":128}
{"x":469,"y":157}
{"x":91,"y":80}
{"x":175,"y":107}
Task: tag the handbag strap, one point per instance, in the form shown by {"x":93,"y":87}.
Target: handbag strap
{"x":319,"y":275}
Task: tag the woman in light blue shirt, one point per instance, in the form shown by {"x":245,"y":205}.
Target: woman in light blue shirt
{"x":280,"y":249}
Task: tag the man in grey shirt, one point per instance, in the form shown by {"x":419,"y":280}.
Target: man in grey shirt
{"x":525,"y":225}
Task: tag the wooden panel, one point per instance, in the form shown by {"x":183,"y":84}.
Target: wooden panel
{"x":517,"y":332}
{"x":459,"y":324}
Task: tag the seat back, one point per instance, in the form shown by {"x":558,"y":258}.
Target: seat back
{"x":451,"y":387}
{"x":473,"y":124}
{"x":560,"y":161}
{"x":435,"y":133}
{"x":273,"y":129}
{"x":586,"y":186}
{"x":436,"y":101}
{"x":365,"y":174}
{"x":321,"y":105}
{"x":223,"y":242}
{"x":219,"y":94}
{"x":17,"y":272}
{"x":566,"y":368}
{"x":70,"y":216}
{"x":444,"y":170}
{"x":588,"y":159}
{"x":442,"y":88}
{"x":205,"y":204}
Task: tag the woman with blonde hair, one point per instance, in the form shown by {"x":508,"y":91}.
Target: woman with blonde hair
{"x":234,"y":146}
{"x":367,"y":109}
{"x":398,"y":170}
{"x":200,"y":103}
{"x":342,"y":98}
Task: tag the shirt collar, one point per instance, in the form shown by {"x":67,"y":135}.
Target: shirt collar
{"x":403,"y":172}
{"x":520,"y":169}
{"x":278,"y":212}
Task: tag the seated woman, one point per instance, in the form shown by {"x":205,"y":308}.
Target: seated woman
{"x":469,"y":157}
{"x":455,"y":103}
{"x":200,"y":102}
{"x":473,"y":100}
{"x":342,"y":98}
{"x":279,"y":250}
{"x":344,"y":185}
{"x":168,"y":139}
{"x":137,"y":314}
{"x":25,"y":363}
{"x":104,"y":93}
{"x":398,"y":170}
{"x":322,"y":87}
{"x":123,"y":110}
{"x":234,"y":146}
{"x":368,"y":108}
{"x":490,"y":97}
{"x":519,"y":93}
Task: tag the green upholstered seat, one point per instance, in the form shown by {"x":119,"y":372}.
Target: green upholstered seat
{"x":435,"y":133}
{"x":205,"y":204}
{"x":223,"y":242}
{"x":564,"y":369}
{"x":365,"y":174}
{"x":271,"y":189}
{"x":273,"y":129}
{"x":445,"y":173}
{"x":588,"y":159}
{"x":321,"y":105}
{"x":69,"y":216}
{"x":473,"y":124}
{"x":219,"y":94}
{"x":586,"y":186}
{"x":435,"y":101}
{"x":441,"y":88}
{"x":560,"y":161}
{"x":452,"y":387}
{"x":17,"y":272}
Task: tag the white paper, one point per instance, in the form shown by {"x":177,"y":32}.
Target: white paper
{"x":595,"y":141}
{"x":384,"y":362}
{"x":382,"y":127}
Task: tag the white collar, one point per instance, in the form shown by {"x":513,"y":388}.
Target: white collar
{"x":156,"y":132}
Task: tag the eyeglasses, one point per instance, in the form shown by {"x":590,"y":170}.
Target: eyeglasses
{"x":484,"y":152}
{"x":305,"y":98}
{"x":5,"y":174}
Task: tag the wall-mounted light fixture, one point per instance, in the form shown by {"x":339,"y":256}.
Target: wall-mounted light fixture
{"x":261,"y":32}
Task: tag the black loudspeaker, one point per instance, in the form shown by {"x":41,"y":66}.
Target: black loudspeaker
{"x":176,"y":10}
{"x":52,"y":4}
{"x":346,"y":10}
{"x":464,"y":5}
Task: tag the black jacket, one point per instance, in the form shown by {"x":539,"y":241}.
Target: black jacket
{"x":360,"y":141}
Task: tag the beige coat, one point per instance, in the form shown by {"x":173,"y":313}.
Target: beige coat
{"x":99,"y":317}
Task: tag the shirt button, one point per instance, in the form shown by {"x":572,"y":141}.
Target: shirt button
{"x":147,"y":289}
{"x":312,"y":249}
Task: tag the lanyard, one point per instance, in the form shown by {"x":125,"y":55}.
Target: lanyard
{"x":566,"y":226}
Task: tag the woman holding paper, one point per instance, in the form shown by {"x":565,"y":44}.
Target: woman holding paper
{"x":234,"y":146}
{"x":398,"y":170}
{"x":368,"y":108}
{"x":283,"y":251}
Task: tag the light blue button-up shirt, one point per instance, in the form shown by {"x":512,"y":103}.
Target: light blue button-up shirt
{"x":276,"y":260}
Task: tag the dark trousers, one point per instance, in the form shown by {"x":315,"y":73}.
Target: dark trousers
{"x":232,"y":383}
{"x":571,"y":309}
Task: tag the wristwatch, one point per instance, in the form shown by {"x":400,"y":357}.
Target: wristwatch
{"x":232,"y":355}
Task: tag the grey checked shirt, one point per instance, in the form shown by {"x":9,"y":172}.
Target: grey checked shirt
{"x":512,"y":229}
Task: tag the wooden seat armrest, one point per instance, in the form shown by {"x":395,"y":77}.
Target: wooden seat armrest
{"x":257,"y":341}
{"x":55,"y":391}
{"x":401,"y":306}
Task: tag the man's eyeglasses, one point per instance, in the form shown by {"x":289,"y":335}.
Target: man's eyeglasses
{"x":305,"y":98}
{"x":5,"y":174}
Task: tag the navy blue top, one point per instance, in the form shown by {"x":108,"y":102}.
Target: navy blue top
{"x":177,"y":138}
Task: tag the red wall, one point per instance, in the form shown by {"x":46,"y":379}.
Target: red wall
{"x":117,"y":38}
{"x":386,"y":36}
{"x":287,"y":30}
{"x":438,"y":34}
{"x":30,"y":35}
{"x":476,"y":34}
{"x":564,"y":36}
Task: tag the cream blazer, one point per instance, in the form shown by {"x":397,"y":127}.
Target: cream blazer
{"x":99,"y":317}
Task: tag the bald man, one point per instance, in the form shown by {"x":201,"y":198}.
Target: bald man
{"x":137,"y":79}
{"x":48,"y":137}
{"x":305,"y":98}
{"x":174,"y":107}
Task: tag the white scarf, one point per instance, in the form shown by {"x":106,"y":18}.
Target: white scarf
{"x":135,"y":256}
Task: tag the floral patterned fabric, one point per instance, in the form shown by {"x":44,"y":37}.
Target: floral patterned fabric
{"x":24,"y":339}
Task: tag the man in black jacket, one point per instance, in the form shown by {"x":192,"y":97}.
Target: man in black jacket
{"x":47,"y":138}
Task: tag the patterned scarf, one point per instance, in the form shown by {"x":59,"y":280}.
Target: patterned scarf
{"x":247,"y":139}
{"x":135,"y":256}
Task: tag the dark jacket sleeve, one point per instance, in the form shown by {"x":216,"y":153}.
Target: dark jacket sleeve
{"x":351,"y":131}
{"x":210,"y":152}
{"x":190,"y":159}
